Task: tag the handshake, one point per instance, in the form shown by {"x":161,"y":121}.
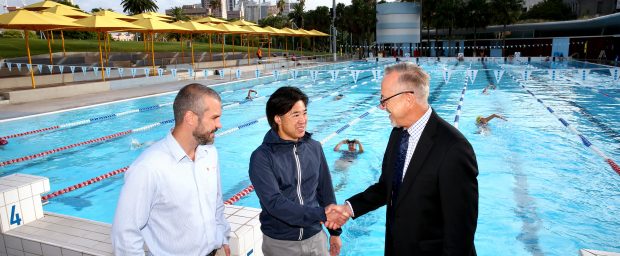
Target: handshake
{"x":337,"y":215}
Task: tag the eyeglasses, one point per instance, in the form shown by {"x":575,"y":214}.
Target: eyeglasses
{"x":383,"y":101}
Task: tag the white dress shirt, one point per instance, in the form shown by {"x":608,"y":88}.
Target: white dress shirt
{"x":415,"y":132}
{"x":171,"y":203}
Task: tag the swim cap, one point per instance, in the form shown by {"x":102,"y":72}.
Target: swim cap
{"x":3,"y":142}
{"x":478,"y":119}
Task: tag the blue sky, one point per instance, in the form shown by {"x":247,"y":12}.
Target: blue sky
{"x":87,"y":5}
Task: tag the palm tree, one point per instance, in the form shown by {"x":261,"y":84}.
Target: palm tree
{"x":479,"y":16}
{"x":215,"y":5}
{"x":280,"y":4}
{"x":506,"y":12}
{"x":139,"y":6}
{"x":178,"y":14}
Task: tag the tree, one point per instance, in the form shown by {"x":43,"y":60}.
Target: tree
{"x":139,"y":6}
{"x":550,"y":10}
{"x":429,"y":8}
{"x":215,"y":5}
{"x":298,"y":14}
{"x":506,"y":12}
{"x":98,"y":9}
{"x":479,"y":16}
{"x":178,"y":14}
{"x":318,"y":19}
{"x":280,"y":5}
{"x":274,"y":21}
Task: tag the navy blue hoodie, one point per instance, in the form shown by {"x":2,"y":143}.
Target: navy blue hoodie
{"x":293,"y":184}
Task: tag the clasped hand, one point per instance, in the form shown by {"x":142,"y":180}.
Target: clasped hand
{"x":337,"y":216}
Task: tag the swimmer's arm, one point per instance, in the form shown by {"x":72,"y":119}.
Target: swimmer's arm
{"x":361,"y":150}
{"x":337,"y":147}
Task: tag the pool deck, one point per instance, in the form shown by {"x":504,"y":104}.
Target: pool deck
{"x":16,"y":110}
{"x":9,"y":111}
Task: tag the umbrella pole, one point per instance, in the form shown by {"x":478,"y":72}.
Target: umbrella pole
{"x":153,"y":51}
{"x":191,"y":39}
{"x":100,"y":57}
{"x":223,"y":56}
{"x":269,"y":46}
{"x":49,"y":47}
{"x":105,"y":48}
{"x":144,"y":39}
{"x":182,"y":50}
{"x":109,"y":45}
{"x":210,"y":52}
{"x":52,"y":36}
{"x":232,"y":37}
{"x":247,"y":38}
{"x":64,"y":54}
{"x":30,"y":60}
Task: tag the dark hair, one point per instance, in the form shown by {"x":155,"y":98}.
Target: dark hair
{"x":190,"y":98}
{"x":282,"y":101}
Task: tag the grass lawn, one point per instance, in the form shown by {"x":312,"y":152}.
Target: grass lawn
{"x":16,"y":47}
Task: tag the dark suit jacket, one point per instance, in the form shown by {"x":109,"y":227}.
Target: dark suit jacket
{"x":436,"y":210}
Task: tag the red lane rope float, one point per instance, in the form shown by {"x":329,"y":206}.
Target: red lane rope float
{"x":51,"y":151}
{"x":84,"y":184}
{"x":613,"y":165}
{"x":242,"y":193}
{"x":30,"y":132}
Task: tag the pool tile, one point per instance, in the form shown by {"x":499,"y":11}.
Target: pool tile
{"x":32,"y":247}
{"x":49,"y":250}
{"x":13,"y":242}
{"x":67,"y":252}
{"x":13,"y":252}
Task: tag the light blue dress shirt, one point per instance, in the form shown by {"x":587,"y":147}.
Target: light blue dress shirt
{"x":171,"y":203}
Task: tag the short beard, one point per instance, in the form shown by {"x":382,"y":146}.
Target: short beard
{"x":203,"y":136}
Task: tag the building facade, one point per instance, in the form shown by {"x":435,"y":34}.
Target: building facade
{"x":398,"y":23}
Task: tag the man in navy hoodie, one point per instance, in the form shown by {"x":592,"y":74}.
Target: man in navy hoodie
{"x":291,"y":178}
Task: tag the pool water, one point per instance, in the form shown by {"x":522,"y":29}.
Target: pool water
{"x":541,"y":191}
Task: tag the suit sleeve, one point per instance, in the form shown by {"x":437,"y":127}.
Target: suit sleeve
{"x":458,"y":189}
{"x":276,"y":204}
{"x":374,"y":196}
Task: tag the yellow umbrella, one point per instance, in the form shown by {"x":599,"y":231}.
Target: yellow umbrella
{"x":44,"y":5}
{"x":276,"y":32}
{"x":101,"y":24}
{"x":148,"y":16}
{"x":290,"y":32}
{"x":254,"y":30}
{"x":156,"y":14}
{"x":27,"y":20}
{"x":194,"y":27}
{"x":309,"y":34}
{"x":115,"y":15}
{"x":229,"y":29}
{"x":54,"y":16}
{"x":243,"y":23}
{"x":318,"y":33}
{"x":211,"y":20}
{"x":66,"y":11}
{"x":154,"y":25}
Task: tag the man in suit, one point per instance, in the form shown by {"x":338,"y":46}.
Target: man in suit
{"x":428,"y":179}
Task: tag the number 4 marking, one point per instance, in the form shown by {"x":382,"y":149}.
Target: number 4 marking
{"x":15,"y":219}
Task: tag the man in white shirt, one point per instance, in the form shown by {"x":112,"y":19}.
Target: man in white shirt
{"x":172,"y":199}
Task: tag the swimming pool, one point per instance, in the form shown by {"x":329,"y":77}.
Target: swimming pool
{"x":541,"y":191}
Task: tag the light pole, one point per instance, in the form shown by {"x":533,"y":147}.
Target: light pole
{"x":334,"y":29}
